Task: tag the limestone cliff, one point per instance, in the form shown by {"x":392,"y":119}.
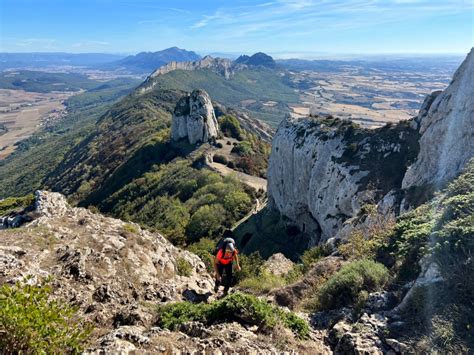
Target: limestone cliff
{"x":323,"y":169}
{"x":220,"y":66}
{"x":194,"y":118}
{"x":447,"y":130}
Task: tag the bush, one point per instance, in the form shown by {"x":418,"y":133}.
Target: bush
{"x":237,"y":203}
{"x":205,"y":250}
{"x":366,"y":240}
{"x":243,"y":308}
{"x":311,"y":256}
{"x":344,"y":287}
{"x":230,"y":126}
{"x":263,"y":282}
{"x":243,"y":149}
{"x":207,"y":221}
{"x":11,"y":204}
{"x":30,"y":322}
{"x":251,"y":266}
{"x":217,"y":158}
{"x":183,"y":267}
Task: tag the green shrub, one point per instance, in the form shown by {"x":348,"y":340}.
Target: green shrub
{"x":238,"y":307}
{"x":243,"y":149}
{"x":183,"y":267}
{"x":344,"y":287}
{"x":11,"y":204}
{"x":130,"y":228}
{"x":237,"y":203}
{"x":230,"y":126}
{"x":263,"y":282}
{"x":311,"y":256}
{"x":251,"y":266}
{"x":217,"y":158}
{"x":205,"y":250}
{"x":207,"y":221}
{"x":30,"y":322}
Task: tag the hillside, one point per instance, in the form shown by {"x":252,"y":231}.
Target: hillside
{"x":261,"y":90}
{"x":36,"y":157}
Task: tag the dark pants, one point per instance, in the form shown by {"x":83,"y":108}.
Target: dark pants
{"x":227,"y":279}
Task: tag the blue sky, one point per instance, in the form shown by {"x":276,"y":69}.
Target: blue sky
{"x":281,"y":27}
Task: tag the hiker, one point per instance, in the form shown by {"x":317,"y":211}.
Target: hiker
{"x":226,"y":254}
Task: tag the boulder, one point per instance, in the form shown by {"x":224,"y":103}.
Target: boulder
{"x":278,"y":264}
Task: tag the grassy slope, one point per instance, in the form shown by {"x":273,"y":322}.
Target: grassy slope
{"x":261,"y":85}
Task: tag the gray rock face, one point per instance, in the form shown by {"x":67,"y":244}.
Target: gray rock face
{"x":221,"y":66}
{"x":194,"y":118}
{"x":447,"y":130}
{"x":322,"y":170}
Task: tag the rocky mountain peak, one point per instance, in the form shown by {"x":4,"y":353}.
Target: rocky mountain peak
{"x":194,"y":118}
{"x":446,"y":120}
{"x":257,"y":59}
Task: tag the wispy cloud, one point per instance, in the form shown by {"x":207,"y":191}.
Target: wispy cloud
{"x":43,"y":43}
{"x":90,"y":43}
{"x":304,"y":17}
{"x":218,"y":15}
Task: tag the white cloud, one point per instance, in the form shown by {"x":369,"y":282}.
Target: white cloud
{"x":90,"y":43}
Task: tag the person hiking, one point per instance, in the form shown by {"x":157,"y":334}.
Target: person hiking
{"x":223,"y":263}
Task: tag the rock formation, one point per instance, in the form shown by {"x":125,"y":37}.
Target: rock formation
{"x":446,"y":127}
{"x":323,"y":169}
{"x":104,"y":264}
{"x":194,"y":118}
{"x":257,"y":59}
{"x":221,"y":66}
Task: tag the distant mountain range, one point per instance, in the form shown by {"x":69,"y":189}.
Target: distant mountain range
{"x":258,"y":59}
{"x":146,"y":62}
{"x":36,"y":60}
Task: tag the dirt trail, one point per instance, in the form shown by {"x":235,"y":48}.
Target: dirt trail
{"x":253,"y":181}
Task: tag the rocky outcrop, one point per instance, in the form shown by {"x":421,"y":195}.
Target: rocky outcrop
{"x":117,"y":274}
{"x":323,"y":169}
{"x":446,"y":127}
{"x":257,"y":59}
{"x":278,"y":265}
{"x":194,"y":118}
{"x":108,"y":268}
{"x":221,"y":66}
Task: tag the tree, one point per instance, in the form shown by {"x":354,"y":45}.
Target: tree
{"x":207,"y":221}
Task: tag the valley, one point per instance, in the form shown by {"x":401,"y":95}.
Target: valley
{"x":345,"y":225}
{"x":22,"y":113}
{"x":370,"y":97}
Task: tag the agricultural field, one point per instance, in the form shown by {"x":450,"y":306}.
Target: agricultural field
{"x":369,"y":97}
{"x":22,"y":113}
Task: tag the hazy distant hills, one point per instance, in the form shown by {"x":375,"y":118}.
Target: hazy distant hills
{"x":424,"y":63}
{"x":146,"y":62}
{"x":37,"y":60}
{"x":258,"y":59}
